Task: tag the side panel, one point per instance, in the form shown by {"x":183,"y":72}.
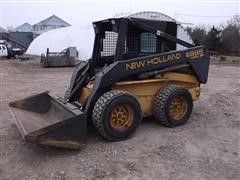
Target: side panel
{"x":144,"y":95}
{"x":145,"y":90}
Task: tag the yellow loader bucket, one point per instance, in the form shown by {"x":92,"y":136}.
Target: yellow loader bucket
{"x":46,"y":119}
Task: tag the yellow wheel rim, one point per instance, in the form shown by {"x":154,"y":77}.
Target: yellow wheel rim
{"x":121,"y":117}
{"x":178,"y":107}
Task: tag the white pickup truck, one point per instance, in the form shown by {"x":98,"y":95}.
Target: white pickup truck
{"x":9,"y":52}
{"x":3,"y":50}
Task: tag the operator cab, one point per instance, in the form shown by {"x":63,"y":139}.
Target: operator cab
{"x":120,"y":39}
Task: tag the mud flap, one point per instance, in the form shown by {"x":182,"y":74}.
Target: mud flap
{"x":46,"y":119}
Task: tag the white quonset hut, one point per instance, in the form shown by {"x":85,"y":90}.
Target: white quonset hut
{"x":62,"y":38}
{"x":181,"y":32}
{"x":83,"y":38}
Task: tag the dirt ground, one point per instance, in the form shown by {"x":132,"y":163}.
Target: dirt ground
{"x":207,"y":147}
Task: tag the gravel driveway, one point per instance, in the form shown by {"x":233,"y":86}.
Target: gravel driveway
{"x":207,"y":147}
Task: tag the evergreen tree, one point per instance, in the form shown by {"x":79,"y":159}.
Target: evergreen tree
{"x":198,"y":35}
{"x":231,"y":36}
{"x":213,"y":40}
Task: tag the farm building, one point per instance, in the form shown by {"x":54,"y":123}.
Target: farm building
{"x":3,"y":33}
{"x":24,"y":34}
{"x":26,"y":27}
{"x":52,"y":22}
{"x":20,"y":39}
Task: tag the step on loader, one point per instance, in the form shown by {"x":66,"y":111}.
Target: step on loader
{"x":135,"y":72}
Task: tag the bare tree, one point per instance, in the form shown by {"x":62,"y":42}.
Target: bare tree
{"x":10,"y":28}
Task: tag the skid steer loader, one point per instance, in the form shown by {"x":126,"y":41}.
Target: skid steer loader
{"x":134,"y":72}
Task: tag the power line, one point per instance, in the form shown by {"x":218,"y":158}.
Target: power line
{"x":193,"y":15}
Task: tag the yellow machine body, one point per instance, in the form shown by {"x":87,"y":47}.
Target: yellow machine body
{"x":145,"y":90}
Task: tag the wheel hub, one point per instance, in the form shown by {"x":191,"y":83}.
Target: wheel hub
{"x":121,"y":117}
{"x":178,"y":107}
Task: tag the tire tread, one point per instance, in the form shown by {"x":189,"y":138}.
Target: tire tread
{"x":160,"y":103}
{"x":99,"y":108}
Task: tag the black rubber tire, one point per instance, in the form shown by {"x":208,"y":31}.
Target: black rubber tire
{"x":102,"y":110}
{"x":161,"y":105}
